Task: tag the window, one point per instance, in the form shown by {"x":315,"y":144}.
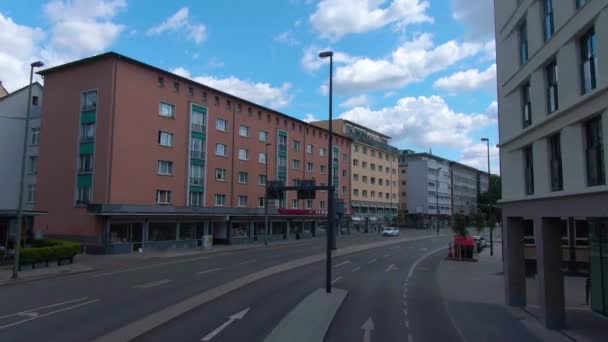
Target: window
{"x":220,"y":174}
{"x":176,"y":87}
{"x":372,"y":193}
{"x":364,"y":193}
{"x":167,"y":110}
{"x":196,"y":174}
{"x":196,"y":148}
{"x":244,"y":131}
{"x":309,"y":148}
{"x":528,"y":170}
{"x":364,"y":150}
{"x":309,"y":167}
{"x":264,"y":136}
{"x":387,"y":170}
{"x":84,"y":194}
{"x":220,"y":200}
{"x":296,"y":145}
{"x":344,"y":173}
{"x":380,"y":181}
{"x":85,"y":163}
{"x":322,"y":152}
{"x":595,"y":152}
{"x":165,"y":139}
{"x":381,"y":194}
{"x":204,"y":97}
{"x":296,"y":164}
{"x":87,"y":132}
{"x":373,"y":153}
{"x":89,"y":100}
{"x":356,"y":177}
{"x":581,"y":233}
{"x":555,"y":163}
{"x":372,"y":166}
{"x":323,"y":169}
{"x":295,"y":204}
{"x":309,"y":204}
{"x":262,"y":158}
{"x":33,"y":165}
{"x":216,"y":100}
{"x":355,"y":162}
{"x":526,"y":105}
{"x":261,"y":202}
{"x":322,"y":204}
{"x":588,"y":44}
{"x":163,"y":196}
{"x":197,"y":121}
{"x":356,"y":192}
{"x":243,"y":177}
{"x":364,"y":165}
{"x":344,"y":157}
{"x":243,"y":154}
{"x":31,"y":193}
{"x":549,"y":26}
{"x":160,"y":82}
{"x":344,"y":190}
{"x":380,"y":155}
{"x":243,"y":200}
{"x":372,"y":180}
{"x":364,"y":179}
{"x":523,"y":43}
{"x":196,"y":199}
{"x":220,"y":150}
{"x":228,"y":104}
{"x":239,"y":107}
{"x":261,"y":179}
{"x":221,"y":125}
{"x":552,"y":95}
{"x":357,"y":148}
{"x":35,"y":137}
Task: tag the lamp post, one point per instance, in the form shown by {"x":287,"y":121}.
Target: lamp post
{"x":266,"y":199}
{"x":437,"y":198}
{"x":330,"y":192}
{"x":36,"y":64}
{"x":487,"y":141}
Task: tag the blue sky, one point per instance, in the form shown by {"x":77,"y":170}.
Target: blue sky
{"x":422,"y":71}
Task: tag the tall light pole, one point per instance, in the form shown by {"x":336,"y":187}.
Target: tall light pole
{"x":330,"y":192}
{"x":487,"y":141}
{"x":36,"y":64}
{"x":437,"y":198}
{"x":266,"y":198}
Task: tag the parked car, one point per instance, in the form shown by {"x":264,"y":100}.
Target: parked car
{"x":480,"y":243}
{"x":390,"y":231}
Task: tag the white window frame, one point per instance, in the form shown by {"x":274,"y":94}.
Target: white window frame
{"x":223,"y":122}
{"x":309,"y":204}
{"x":87,"y":131}
{"x":309,"y":148}
{"x":167,"y":135}
{"x":222,"y":172}
{"x":295,"y":204}
{"x":264,"y":136}
{"x":164,"y":196}
{"x":165,"y":105}
{"x":221,"y":203}
{"x":322,"y":152}
{"x":262,"y":158}
{"x":261,"y":202}
{"x":310,"y":167}
{"x":244,"y":129}
{"x":35,"y":136}
{"x":243,"y":154}
{"x":32,"y":166}
{"x":224,"y":147}
{"x":82,"y":161}
{"x":31,"y":193}
{"x":297,"y":145}
{"x":245,"y":178}
{"x":169,"y":166}
{"x":260,"y":178}
{"x":241,"y":204}
{"x":323,"y":169}
{"x":199,"y":199}
{"x":298,"y":162}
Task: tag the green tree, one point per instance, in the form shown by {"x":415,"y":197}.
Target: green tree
{"x":459,"y":224}
{"x":479,"y":221}
{"x":488,"y":201}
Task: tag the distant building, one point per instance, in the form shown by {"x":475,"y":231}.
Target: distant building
{"x":373,"y":175}
{"x":466,"y":188}
{"x":552,"y":73}
{"x":13,"y":109}
{"x":3,"y":91}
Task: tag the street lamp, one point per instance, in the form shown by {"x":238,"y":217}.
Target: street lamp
{"x":487,"y":141}
{"x":437,"y":198}
{"x":330,"y":192}
{"x":266,"y":199}
{"x":36,"y":64}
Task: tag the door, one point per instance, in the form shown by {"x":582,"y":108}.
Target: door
{"x":137,"y":236}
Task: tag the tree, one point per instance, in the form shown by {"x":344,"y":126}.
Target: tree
{"x":459,"y":225}
{"x":488,"y":201}
{"x":479,"y":221}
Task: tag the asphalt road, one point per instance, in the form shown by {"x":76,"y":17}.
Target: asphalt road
{"x":85,"y":306}
{"x":375,"y":279}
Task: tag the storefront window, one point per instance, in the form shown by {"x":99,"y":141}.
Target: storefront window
{"x":162,"y":232}
{"x":240,"y":230}
{"x":119,"y":233}
{"x":187,"y":231}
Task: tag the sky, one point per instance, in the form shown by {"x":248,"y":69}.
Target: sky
{"x":420,"y":71}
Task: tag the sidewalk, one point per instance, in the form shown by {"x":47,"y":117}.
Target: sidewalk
{"x":474,"y":295}
{"x":93,"y":262}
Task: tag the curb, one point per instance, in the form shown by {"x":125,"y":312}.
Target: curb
{"x":18,"y":281}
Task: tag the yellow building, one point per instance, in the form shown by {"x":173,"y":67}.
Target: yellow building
{"x":374,"y":179}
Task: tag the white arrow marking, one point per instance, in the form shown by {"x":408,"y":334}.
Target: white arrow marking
{"x":208,"y":271}
{"x":219,"y":329}
{"x":342,"y":264}
{"x":390,"y":267}
{"x":371,"y":261}
{"x":367,"y":327}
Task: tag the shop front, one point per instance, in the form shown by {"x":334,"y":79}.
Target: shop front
{"x":598,"y":239}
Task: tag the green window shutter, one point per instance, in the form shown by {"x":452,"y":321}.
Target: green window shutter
{"x":199,"y":109}
{"x":197,"y":162}
{"x":87,"y":117}
{"x":87,"y":148}
{"x":85,"y":180}
{"x":282,"y":133}
{"x":198,"y":135}
{"x":196,"y":188}
{"x":282,"y":154}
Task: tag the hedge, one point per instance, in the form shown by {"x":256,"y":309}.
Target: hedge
{"x":48,"y":250}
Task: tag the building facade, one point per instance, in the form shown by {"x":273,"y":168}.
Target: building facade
{"x":428,"y":189}
{"x":3,"y":91}
{"x":373,"y":175}
{"x":552,"y":101}
{"x":13,"y":109}
{"x":465,"y":188}
{"x":135,"y":157}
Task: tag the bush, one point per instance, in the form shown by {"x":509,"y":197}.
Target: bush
{"x":48,"y":250}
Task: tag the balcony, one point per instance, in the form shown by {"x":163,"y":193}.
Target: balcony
{"x":197,"y":154}
{"x":282,"y":147}
{"x":197,"y":127}
{"x":196,"y":180}
{"x":364,"y":138}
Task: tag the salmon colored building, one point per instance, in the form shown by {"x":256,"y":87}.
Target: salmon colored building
{"x":132,"y":156}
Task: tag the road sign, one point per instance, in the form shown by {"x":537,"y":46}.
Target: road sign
{"x":306,"y":189}
{"x":276,"y":190}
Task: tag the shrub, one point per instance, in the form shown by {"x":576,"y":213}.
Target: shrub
{"x":49,"y":250}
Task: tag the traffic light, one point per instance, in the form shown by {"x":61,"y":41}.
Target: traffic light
{"x":275,"y":190}
{"x":306,"y":189}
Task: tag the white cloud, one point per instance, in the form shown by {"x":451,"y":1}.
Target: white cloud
{"x":334,"y":19}
{"x":310,"y":118}
{"x":180,"y":22}
{"x":312,"y":62}
{"x":261,"y":93}
{"x":422,"y":121}
{"x":286,"y":38}
{"x":477,"y":18}
{"x":476,"y":155}
{"x":412,"y":62}
{"x":492,"y":109}
{"x":468,"y":81}
{"x":215,"y":62}
{"x":390,"y":94}
{"x":357,"y":101}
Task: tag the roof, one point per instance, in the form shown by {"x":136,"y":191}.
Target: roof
{"x":452,"y":163}
{"x":361,"y":127}
{"x":20,"y":90}
{"x":112,"y":54}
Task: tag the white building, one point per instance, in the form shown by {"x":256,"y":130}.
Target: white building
{"x":13,"y":108}
{"x":552,"y":98}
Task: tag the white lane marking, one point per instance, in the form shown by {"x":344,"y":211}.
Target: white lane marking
{"x":247,"y":262}
{"x":390,"y":267}
{"x":367,"y":327}
{"x":407,"y":324}
{"x":44,"y":307}
{"x":371,"y":261}
{"x":415,"y":264}
{"x":152,"y":284}
{"x":49,"y":313}
{"x":219,"y":329}
{"x":336,"y":280}
{"x":342,"y":264}
{"x":356,"y":269}
{"x":405,"y":312}
{"x":410,"y":338}
{"x":208,"y":271}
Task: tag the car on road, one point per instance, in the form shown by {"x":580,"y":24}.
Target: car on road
{"x":390,"y":231}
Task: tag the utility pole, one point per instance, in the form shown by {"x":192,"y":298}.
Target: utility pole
{"x":266,"y":199}
{"x":490,"y":213}
{"x":437,"y":198}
